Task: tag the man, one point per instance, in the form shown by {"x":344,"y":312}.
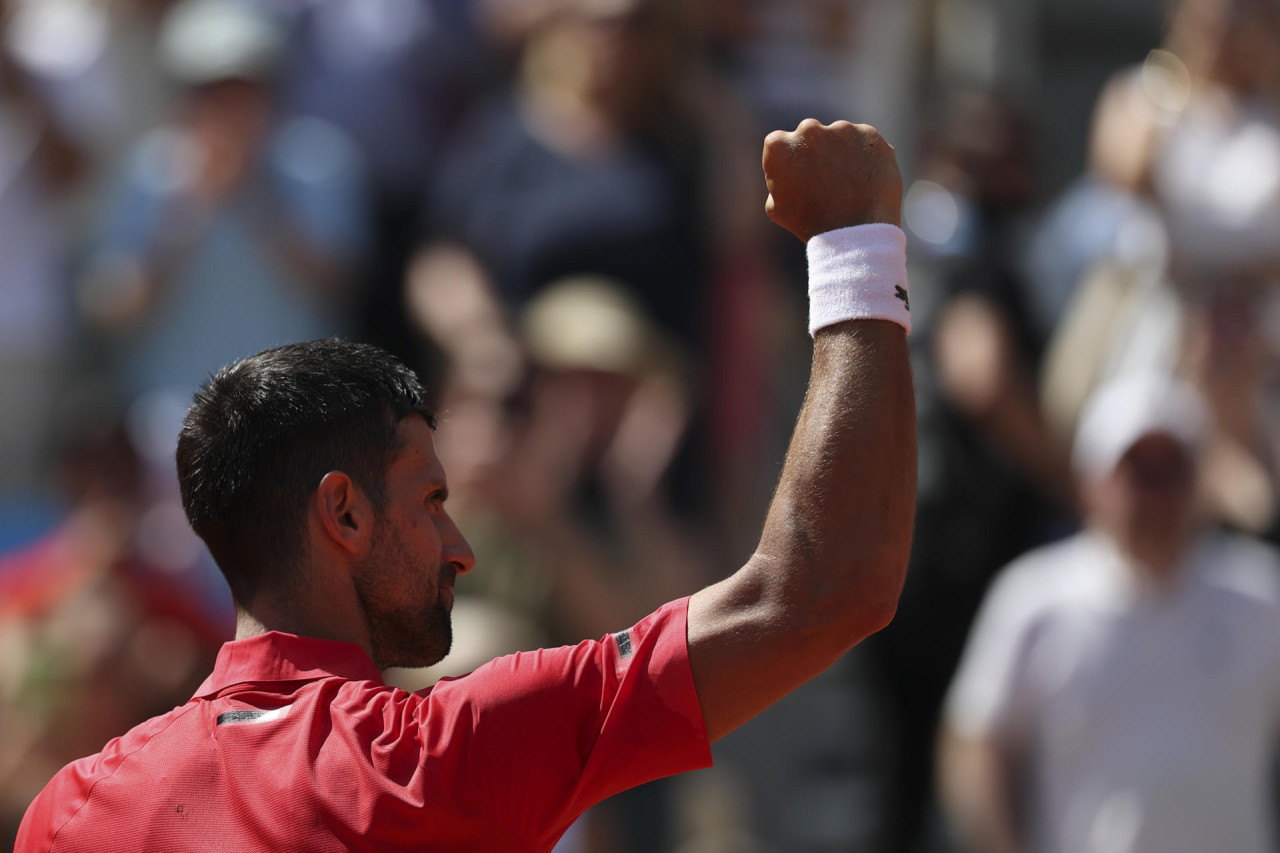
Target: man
{"x":225,"y":231}
{"x":1121,"y":690}
{"x":310,"y":472}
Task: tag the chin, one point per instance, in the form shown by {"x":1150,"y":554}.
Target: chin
{"x":422,"y":642}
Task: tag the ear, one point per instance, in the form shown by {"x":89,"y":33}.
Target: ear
{"x":344,"y":513}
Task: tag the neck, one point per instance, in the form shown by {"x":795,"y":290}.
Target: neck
{"x":249,"y":625}
{"x":1156,"y":567}
{"x":326,"y":621}
{"x":567,"y":123}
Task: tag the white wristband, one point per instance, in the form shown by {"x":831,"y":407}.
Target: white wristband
{"x":858,"y":273}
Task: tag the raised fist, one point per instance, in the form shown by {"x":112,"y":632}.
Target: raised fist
{"x":823,"y":177}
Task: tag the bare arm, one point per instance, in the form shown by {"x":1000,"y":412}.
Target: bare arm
{"x":976,"y":786}
{"x":831,"y":560}
{"x":984,"y":377}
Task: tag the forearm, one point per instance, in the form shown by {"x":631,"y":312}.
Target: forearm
{"x":838,"y":533}
{"x":976,"y":790}
{"x":830,"y":562}
{"x":982,"y":375}
{"x":833,"y":554}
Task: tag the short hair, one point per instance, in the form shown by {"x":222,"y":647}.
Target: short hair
{"x":263,"y":432}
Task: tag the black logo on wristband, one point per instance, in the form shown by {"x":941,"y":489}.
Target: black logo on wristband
{"x":900,"y":292}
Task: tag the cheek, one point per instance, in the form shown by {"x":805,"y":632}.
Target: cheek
{"x":407,"y":558}
{"x":418,"y":533}
{"x":430,"y":542}
{"x":422,"y":552}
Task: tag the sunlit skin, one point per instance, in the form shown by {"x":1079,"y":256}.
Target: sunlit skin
{"x":1230,"y":43}
{"x":405,"y":586}
{"x":380,"y":578}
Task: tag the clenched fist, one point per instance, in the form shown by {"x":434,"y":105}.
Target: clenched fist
{"x":823,"y":177}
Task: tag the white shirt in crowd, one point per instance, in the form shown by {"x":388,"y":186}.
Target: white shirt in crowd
{"x":1146,"y":719}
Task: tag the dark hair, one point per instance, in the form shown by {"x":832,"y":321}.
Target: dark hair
{"x":263,"y":432}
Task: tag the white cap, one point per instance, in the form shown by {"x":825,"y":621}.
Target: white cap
{"x":203,"y":41}
{"x":1130,"y":408}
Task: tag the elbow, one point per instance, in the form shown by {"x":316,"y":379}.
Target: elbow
{"x":875,"y":577}
{"x":848,"y":607}
{"x":880,"y":614}
{"x":874,"y":603}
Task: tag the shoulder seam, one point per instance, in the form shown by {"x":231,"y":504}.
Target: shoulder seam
{"x":53,"y":842}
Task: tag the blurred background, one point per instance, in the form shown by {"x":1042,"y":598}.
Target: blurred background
{"x":553,"y":210}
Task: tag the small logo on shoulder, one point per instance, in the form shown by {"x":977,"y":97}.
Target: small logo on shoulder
{"x":248,"y":715}
{"x":623,"y":639}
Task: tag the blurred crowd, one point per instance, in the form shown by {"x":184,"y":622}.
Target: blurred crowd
{"x":552,"y":209}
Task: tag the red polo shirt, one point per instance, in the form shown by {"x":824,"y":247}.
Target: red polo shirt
{"x":295,"y":743}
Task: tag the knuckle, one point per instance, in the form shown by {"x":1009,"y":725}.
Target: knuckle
{"x":809,"y":125}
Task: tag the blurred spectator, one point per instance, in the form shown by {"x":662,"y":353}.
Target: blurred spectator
{"x":97,"y":61}
{"x":1121,"y":690}
{"x":1216,"y":175}
{"x":1101,"y":271}
{"x":989,"y":470}
{"x":395,"y":76}
{"x":601,"y":420}
{"x":227,"y":233}
{"x":585,"y":170}
{"x":76,"y":79}
{"x":608,"y":159}
{"x":1195,"y":132}
{"x":1101,"y":218}
{"x":1215,"y":163}
{"x":99,"y":628}
{"x":788,"y":57}
{"x":1101,"y":258}
{"x":41,"y":158}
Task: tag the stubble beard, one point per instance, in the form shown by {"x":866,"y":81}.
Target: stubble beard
{"x":416,"y":635}
{"x":410,"y":638}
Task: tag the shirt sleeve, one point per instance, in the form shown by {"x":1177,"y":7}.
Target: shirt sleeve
{"x":989,"y":697}
{"x":542,"y":736}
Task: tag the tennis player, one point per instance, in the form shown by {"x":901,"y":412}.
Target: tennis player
{"x":310,"y":472}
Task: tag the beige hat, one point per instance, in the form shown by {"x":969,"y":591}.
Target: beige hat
{"x":592,"y":322}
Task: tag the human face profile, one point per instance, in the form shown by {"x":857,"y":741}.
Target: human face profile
{"x":405,"y":585}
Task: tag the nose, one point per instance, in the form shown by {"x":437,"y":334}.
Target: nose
{"x":457,"y":551}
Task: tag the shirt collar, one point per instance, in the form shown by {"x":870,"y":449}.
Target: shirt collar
{"x":1122,"y":586}
{"x":277,"y":656}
